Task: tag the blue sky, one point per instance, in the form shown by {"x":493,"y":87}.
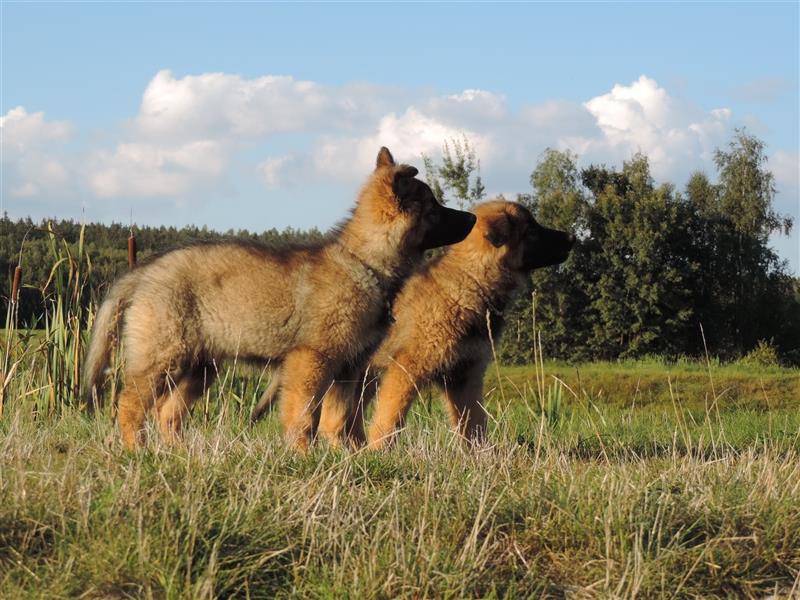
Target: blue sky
{"x":258,"y":115}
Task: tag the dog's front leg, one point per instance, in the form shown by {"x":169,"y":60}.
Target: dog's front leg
{"x":397,"y":391}
{"x":307,"y":375}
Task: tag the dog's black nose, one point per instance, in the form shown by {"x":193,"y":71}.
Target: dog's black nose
{"x":571,"y":239}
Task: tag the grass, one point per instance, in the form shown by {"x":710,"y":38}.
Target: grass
{"x":573,"y":498}
{"x":635,"y":384}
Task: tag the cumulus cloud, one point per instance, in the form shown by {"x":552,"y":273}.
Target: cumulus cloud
{"x":24,"y":131}
{"x":224,"y":105}
{"x":643,"y":117}
{"x":608,"y":128}
{"x":191,"y":131}
{"x":408,"y":136}
{"x":142,"y":169}
{"x":30,"y":145}
{"x":188,"y":129}
{"x":213,"y":116}
{"x":475,"y":107}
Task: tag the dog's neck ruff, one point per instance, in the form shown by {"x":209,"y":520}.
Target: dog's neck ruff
{"x":386,"y":284}
{"x":494,"y":295}
{"x":485,"y":296}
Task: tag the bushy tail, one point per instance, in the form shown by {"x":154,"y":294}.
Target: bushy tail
{"x":103,"y":334}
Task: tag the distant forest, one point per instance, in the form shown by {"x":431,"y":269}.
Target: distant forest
{"x":652,"y":264}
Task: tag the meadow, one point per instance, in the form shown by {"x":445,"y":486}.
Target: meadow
{"x":601,"y":480}
{"x":626,"y":479}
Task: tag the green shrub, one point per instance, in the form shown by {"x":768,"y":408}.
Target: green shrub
{"x":765,"y":354}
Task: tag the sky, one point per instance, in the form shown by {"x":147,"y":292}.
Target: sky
{"x":260,"y":115}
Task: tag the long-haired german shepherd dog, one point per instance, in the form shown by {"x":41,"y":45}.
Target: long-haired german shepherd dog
{"x":440,"y":335}
{"x":314,"y":310}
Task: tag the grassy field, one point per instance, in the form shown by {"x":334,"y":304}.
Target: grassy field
{"x":601,"y":480}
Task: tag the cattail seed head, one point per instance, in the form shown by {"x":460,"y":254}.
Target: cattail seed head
{"x":16,"y":285}
{"x":131,"y":251}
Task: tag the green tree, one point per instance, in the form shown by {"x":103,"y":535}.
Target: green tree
{"x":557,"y":201}
{"x":458,"y":177}
{"x":642,"y":297}
{"x":745,"y":219}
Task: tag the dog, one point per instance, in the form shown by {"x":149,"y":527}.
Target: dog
{"x":314,"y":310}
{"x":440,"y":334}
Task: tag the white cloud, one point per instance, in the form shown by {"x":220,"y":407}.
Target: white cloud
{"x":641,"y":117}
{"x":191,"y":131}
{"x":141,"y":169}
{"x":408,"y":137}
{"x":785,"y":166}
{"x":30,"y":143}
{"x":471,"y":107}
{"x":24,"y":131}
{"x":644,"y":117}
{"x":223,"y":105}
{"x":281,"y":171}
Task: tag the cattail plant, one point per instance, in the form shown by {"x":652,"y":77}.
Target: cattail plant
{"x":16,"y":285}
{"x":66,"y":320}
{"x":9,"y":360}
{"x":131,"y":250}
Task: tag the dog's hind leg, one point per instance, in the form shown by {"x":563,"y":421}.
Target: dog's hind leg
{"x":138,"y":396}
{"x":175,"y":404}
{"x":365,"y":391}
{"x":267,"y":401}
{"x":336,"y":409}
{"x":342,"y":419}
{"x":465,"y":404}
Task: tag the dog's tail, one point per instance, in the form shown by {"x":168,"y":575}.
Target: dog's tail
{"x":103,"y":335}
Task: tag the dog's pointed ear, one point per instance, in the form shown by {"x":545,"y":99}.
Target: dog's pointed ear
{"x":385,"y":158}
{"x":403,"y":182}
{"x":497,"y":230}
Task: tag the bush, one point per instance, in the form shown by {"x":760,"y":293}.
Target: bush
{"x":765,"y":354}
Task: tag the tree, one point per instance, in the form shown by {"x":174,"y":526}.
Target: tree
{"x":642,"y":297}
{"x":557,"y":201}
{"x":455,"y":175}
{"x":744,"y":221}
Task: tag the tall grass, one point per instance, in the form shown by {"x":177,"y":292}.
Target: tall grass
{"x":46,"y":362}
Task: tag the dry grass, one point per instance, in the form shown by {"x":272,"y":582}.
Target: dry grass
{"x":674,"y":509}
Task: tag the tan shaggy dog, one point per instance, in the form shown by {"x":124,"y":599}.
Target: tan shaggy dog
{"x":315,"y":310}
{"x":440,"y":333}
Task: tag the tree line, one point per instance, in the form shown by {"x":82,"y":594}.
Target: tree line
{"x":38,"y":246}
{"x":656,"y":270}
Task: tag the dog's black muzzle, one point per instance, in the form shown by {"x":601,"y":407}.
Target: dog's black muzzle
{"x":454,"y":226}
{"x":548,"y":247}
